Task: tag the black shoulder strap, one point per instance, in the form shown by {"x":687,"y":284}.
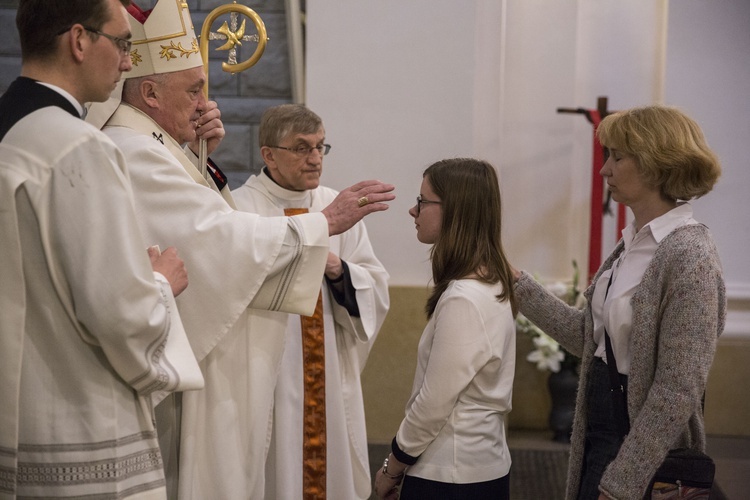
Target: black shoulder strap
{"x":619,"y":402}
{"x":23,"y":97}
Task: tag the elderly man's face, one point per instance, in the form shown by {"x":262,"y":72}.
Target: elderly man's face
{"x":181,"y":102}
{"x":294,"y":171}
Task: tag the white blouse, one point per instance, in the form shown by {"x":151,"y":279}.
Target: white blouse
{"x":616,"y":313}
{"x":455,"y":417}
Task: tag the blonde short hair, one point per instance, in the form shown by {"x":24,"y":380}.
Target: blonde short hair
{"x":670,"y":149}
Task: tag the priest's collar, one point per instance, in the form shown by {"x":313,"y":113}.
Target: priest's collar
{"x":67,"y":96}
{"x":303,"y":198}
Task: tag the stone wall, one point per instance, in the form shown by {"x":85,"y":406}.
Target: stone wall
{"x":241,"y":97}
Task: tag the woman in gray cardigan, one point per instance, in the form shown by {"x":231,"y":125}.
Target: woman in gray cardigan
{"x":660,"y":296}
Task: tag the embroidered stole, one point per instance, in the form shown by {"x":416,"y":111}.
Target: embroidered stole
{"x":314,"y":395}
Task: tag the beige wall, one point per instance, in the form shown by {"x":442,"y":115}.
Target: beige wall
{"x":389,"y":373}
{"x":387,"y":378}
{"x":727,"y":401}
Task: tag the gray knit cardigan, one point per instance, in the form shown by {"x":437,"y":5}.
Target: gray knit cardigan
{"x":679,"y":310}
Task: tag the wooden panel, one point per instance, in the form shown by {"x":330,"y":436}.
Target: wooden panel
{"x":389,"y":373}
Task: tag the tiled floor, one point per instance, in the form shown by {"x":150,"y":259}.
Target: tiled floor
{"x":731,"y":454}
{"x":732,"y":458}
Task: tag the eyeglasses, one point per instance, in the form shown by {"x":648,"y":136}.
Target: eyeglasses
{"x":303,"y":151}
{"x":420,"y":201}
{"x":122,"y":44}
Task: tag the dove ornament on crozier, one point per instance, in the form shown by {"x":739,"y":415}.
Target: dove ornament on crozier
{"x":234,"y":36}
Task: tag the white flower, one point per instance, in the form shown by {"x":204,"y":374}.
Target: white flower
{"x":547,"y":354}
{"x":559,"y":289}
{"x":544,"y":341}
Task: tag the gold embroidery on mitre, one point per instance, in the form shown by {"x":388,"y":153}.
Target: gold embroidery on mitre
{"x":165,"y":41}
{"x":167,"y":50}
{"x":135,"y":57}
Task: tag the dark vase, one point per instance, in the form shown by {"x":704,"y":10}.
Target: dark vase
{"x":562,"y":388}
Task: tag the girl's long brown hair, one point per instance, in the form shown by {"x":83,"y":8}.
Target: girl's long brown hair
{"x":469,"y":238}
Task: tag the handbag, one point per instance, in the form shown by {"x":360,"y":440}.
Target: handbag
{"x":686,"y":473}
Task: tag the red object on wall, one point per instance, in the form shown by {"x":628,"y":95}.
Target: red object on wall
{"x":595,"y":116}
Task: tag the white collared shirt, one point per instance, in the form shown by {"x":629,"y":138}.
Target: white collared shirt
{"x":616,"y":312}
{"x":66,"y":95}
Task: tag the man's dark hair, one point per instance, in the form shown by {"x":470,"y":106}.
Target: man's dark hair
{"x":40,"y":22}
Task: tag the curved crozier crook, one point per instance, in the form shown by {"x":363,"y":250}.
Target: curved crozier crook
{"x":234,"y":36}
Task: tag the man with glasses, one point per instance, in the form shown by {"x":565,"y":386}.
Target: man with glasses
{"x":318,"y":440}
{"x":238,"y":261}
{"x":122,"y":44}
{"x":84,"y":323}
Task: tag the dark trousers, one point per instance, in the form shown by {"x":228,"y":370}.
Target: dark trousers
{"x":416,"y":488}
{"x":602,"y":434}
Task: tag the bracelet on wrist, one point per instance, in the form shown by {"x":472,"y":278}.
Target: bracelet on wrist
{"x":388,"y":474}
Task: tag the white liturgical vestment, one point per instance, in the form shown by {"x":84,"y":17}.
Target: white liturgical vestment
{"x":347,"y":344}
{"x":235,"y":260}
{"x":84,"y":324}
